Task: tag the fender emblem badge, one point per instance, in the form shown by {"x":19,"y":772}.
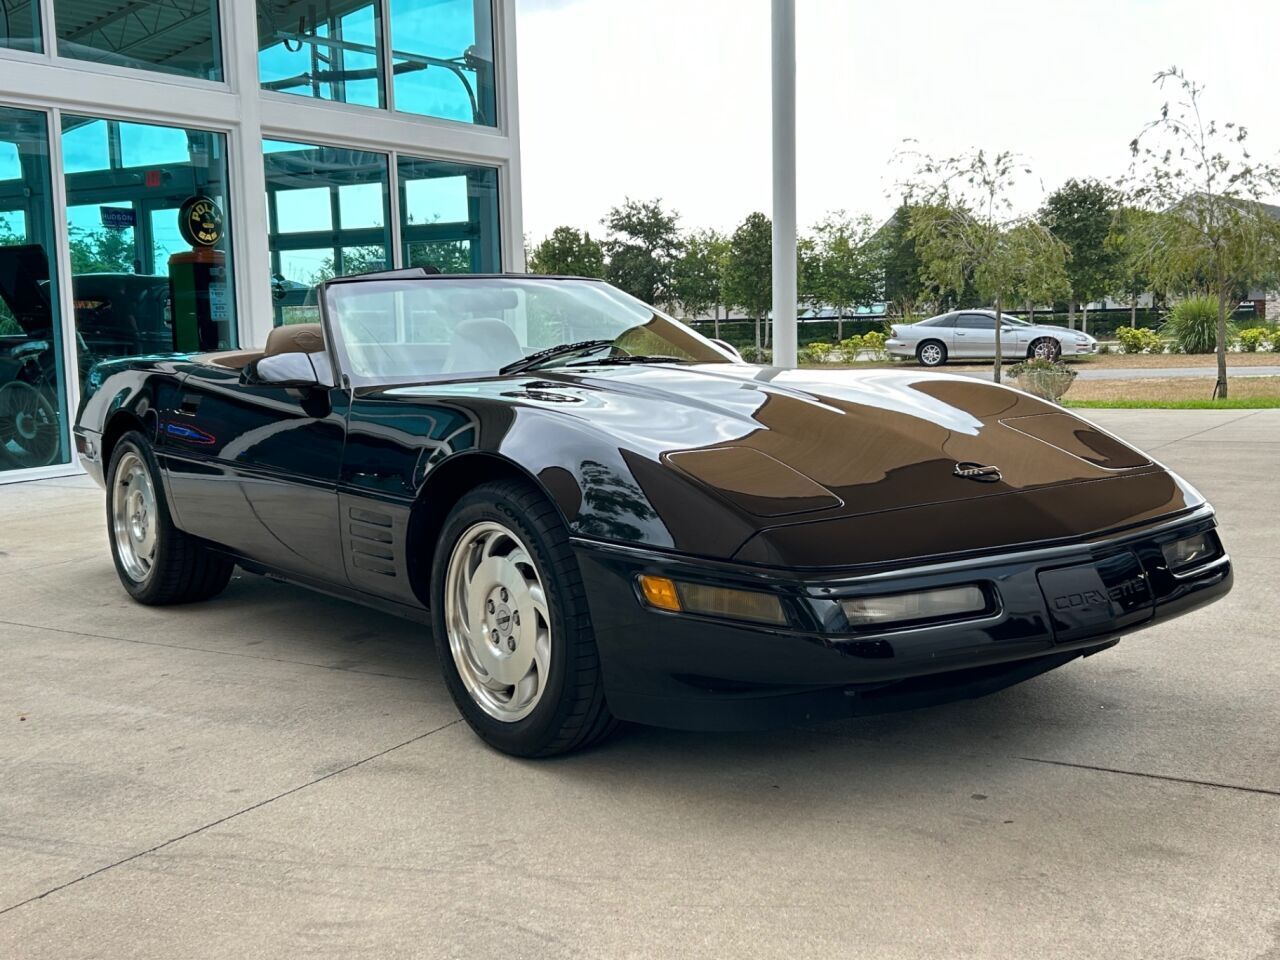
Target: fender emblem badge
{"x":977,"y":471}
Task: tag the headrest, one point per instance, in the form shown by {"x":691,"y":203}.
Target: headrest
{"x":294,"y":338}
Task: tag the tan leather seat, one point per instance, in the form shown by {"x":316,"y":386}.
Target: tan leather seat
{"x":294,"y":338}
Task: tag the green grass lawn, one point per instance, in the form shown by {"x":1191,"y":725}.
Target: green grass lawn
{"x":1231,"y":403}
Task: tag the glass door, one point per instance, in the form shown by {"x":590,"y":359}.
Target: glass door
{"x":33,"y":398}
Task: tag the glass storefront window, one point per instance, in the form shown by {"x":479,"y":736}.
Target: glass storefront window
{"x":327,"y":50}
{"x":328,"y":214}
{"x":149,"y":229}
{"x":163,"y":35}
{"x":449,"y":216}
{"x":33,"y":404}
{"x":442,"y":54}
{"x":20,"y":26}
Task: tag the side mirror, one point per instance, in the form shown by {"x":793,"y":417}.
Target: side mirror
{"x":725,"y":345}
{"x":300,"y":370}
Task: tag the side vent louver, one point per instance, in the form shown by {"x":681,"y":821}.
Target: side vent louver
{"x":373,"y":545}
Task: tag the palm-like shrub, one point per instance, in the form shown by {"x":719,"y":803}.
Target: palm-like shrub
{"x":1193,"y":325}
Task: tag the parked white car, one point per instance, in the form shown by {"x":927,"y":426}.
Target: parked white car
{"x":971,"y":335}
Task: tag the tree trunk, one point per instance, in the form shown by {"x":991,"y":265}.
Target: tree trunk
{"x":999,"y":343}
{"x":758,"y":344}
{"x":1133,"y":312}
{"x":715,"y":319}
{"x":1084,"y":318}
{"x":1071,"y":314}
{"x":1031,"y":312}
{"x":1220,"y":388}
{"x":839,"y":324}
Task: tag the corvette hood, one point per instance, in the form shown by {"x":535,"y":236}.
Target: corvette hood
{"x":788,"y":449}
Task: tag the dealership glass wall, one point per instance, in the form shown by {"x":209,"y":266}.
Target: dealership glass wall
{"x":33,"y":405}
{"x":441,"y":54}
{"x":20,"y":26}
{"x":141,"y":283}
{"x":449,"y":216}
{"x":126,"y":131}
{"x":172,"y":36}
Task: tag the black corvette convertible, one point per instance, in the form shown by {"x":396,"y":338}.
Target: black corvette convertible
{"x":604,"y":515}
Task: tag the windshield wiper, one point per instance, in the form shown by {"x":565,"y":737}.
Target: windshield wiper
{"x":627,"y":358}
{"x":560,"y":350}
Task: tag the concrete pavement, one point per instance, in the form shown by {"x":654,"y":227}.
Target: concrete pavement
{"x":277,"y":774}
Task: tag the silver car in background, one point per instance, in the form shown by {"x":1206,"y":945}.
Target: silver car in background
{"x":971,"y":335}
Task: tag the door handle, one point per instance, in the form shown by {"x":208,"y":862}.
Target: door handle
{"x":190,"y":403}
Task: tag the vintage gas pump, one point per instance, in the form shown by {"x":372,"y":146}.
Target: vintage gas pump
{"x":198,"y":287}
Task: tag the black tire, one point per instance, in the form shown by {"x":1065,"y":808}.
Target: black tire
{"x":184,"y":570}
{"x":931,"y":358}
{"x":1053,"y":349}
{"x":571,"y":712}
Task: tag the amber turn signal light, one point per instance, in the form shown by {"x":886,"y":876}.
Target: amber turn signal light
{"x":660,"y":592}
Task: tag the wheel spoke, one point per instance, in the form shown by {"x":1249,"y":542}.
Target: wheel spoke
{"x":497,"y":621}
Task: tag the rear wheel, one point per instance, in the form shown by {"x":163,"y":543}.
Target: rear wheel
{"x":931,"y":353}
{"x":157,"y":563}
{"x":513,"y":633}
{"x":1046,"y":348}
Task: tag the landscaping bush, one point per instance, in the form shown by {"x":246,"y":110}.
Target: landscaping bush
{"x":873,"y":343}
{"x":1275,"y":339}
{"x":819,"y":352}
{"x":1251,"y":340}
{"x":1047,"y":379}
{"x":1139,"y":340}
{"x":754,"y":354}
{"x":1193,"y":325}
{"x":850,"y":348}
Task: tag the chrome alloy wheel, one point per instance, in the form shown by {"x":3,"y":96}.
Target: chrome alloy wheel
{"x":134,"y":519}
{"x":1047,"y":349}
{"x":931,"y":354}
{"x":497,"y":621}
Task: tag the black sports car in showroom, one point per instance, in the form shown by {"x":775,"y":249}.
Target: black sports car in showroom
{"x":605,"y":516}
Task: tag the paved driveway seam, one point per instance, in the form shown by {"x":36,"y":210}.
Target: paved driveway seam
{"x":230,"y":816}
{"x":220,"y":653}
{"x":1169,"y":443}
{"x":1266,"y":791}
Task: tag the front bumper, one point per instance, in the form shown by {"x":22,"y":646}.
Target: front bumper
{"x":697,"y":672}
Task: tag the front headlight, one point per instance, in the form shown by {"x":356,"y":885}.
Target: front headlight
{"x":902,"y":608}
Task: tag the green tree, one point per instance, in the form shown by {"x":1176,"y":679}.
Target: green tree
{"x":900,"y":263}
{"x":696,"y":274}
{"x":447,"y":256}
{"x":101,"y":251}
{"x":1080,"y":213}
{"x":568,"y":252}
{"x":1208,"y":228}
{"x":354,"y":260}
{"x":748,"y":269}
{"x":641,"y":249}
{"x":966,"y":230}
{"x":1128,"y":238}
{"x":847,"y":270}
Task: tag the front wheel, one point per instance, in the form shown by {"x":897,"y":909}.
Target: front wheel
{"x":932,"y":354}
{"x":513,"y":632}
{"x":157,"y":563}
{"x":1046,"y":348}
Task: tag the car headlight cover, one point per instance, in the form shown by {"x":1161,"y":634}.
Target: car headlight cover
{"x":724,"y":603}
{"x":907,"y":607}
{"x":1190,"y":551}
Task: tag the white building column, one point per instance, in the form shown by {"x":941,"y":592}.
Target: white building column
{"x":784,"y":183}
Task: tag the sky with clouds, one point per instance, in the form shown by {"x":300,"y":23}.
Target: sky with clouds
{"x":670,"y":98}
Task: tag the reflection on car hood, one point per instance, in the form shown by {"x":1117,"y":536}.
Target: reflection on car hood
{"x":835,"y":443}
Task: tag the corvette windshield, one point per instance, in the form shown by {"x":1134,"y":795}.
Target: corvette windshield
{"x":400,"y":330}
